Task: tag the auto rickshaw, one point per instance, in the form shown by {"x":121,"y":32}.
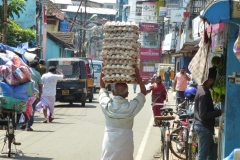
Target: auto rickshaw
{"x":73,"y":88}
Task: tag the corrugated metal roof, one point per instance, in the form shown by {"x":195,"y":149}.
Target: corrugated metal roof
{"x":91,"y":10}
{"x":62,"y":1}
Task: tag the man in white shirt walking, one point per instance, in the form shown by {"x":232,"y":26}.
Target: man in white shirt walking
{"x":49,"y":81}
{"x":119,"y":115}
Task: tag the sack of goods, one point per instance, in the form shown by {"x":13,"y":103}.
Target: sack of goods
{"x":16,"y":86}
{"x":120,"y":52}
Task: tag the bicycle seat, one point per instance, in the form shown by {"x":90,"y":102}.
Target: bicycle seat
{"x":166,"y":118}
{"x":183,"y":116}
{"x":166,"y":109}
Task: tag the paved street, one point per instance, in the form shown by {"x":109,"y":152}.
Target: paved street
{"x":77,"y":134}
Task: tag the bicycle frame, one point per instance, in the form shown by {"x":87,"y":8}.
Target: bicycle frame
{"x":10,"y":127}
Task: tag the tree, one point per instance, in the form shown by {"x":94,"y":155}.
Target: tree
{"x":14,"y":7}
{"x":15,"y":33}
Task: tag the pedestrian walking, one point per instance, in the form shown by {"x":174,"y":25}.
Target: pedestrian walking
{"x":36,"y":77}
{"x":119,"y":115}
{"x":159,"y":95}
{"x":204,"y":117}
{"x":41,"y":68}
{"x":167,"y":75}
{"x":180,"y":84}
{"x":134,"y":88}
{"x":49,"y":81}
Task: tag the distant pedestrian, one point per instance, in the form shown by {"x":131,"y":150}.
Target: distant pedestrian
{"x":36,"y":77}
{"x":180,"y":84}
{"x":47,"y":101}
{"x":134,"y":88}
{"x":41,"y":68}
{"x":167,"y":75}
{"x":159,"y":95}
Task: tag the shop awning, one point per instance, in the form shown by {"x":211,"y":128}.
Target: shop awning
{"x":217,"y":11}
{"x":187,"y":49}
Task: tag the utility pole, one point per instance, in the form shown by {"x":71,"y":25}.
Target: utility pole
{"x":76,"y":15}
{"x":4,"y":21}
{"x":84,"y":25}
{"x":80,"y":35}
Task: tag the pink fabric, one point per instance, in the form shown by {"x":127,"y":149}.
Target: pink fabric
{"x":47,"y":101}
{"x":14,"y":75}
{"x":29,"y":110}
{"x":181,"y":82}
{"x":26,"y":71}
{"x":7,"y":72}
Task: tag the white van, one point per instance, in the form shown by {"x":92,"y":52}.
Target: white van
{"x":97,"y":68}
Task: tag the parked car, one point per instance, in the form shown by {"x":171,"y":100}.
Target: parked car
{"x":97,"y":67}
{"x":73,"y":88}
{"x":90,"y":77}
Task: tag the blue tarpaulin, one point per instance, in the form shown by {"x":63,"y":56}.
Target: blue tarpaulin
{"x":6,"y":47}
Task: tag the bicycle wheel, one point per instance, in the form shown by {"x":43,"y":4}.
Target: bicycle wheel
{"x":163,"y":143}
{"x":10,"y":134}
{"x":176,"y":143}
{"x":10,"y":140}
{"x":166,"y":150}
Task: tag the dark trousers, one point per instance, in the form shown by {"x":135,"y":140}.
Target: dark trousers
{"x":179,"y":96}
{"x":30,"y":122}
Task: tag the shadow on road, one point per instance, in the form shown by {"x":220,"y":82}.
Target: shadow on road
{"x":20,"y":155}
{"x":74,"y":106}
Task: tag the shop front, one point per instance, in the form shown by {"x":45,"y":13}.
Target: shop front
{"x":226,"y":45}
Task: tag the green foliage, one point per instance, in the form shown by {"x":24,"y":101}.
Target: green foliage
{"x":16,"y":34}
{"x":14,"y":7}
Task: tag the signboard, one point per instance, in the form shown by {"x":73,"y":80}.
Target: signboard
{"x":162,"y":11}
{"x":177,"y":15}
{"x":150,"y":54}
{"x":148,"y":27}
{"x":149,"y":12}
{"x":167,"y":42}
{"x":196,"y":28}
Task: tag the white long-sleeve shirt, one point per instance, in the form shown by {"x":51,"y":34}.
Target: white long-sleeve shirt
{"x":119,"y":115}
{"x":118,"y":111}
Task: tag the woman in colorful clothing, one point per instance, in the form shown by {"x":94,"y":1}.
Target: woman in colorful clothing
{"x":159,"y":95}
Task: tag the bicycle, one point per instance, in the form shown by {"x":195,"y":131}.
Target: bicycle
{"x":163,"y":122}
{"x":184,"y":136}
{"x":9,"y":121}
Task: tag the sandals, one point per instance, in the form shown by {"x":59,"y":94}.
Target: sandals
{"x":45,"y":121}
{"x":51,"y":119}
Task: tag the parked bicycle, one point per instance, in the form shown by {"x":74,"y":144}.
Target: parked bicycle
{"x":164,"y":124}
{"x":183,"y":138}
{"x":8,"y":119}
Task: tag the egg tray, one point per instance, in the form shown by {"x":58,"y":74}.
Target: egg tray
{"x":118,"y":41}
{"x":120,"y":71}
{"x":122,"y":29}
{"x":121,"y":47}
{"x":119,"y":35}
{"x":120,"y":57}
{"x":117,"y":62}
{"x":130,"y":55}
{"x":118,"y":23}
{"x":110,"y":81}
{"x":114,"y":82}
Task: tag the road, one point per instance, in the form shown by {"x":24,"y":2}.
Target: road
{"x":77,"y":134}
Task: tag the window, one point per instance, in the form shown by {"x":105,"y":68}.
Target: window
{"x":97,"y":68}
{"x":67,"y":70}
